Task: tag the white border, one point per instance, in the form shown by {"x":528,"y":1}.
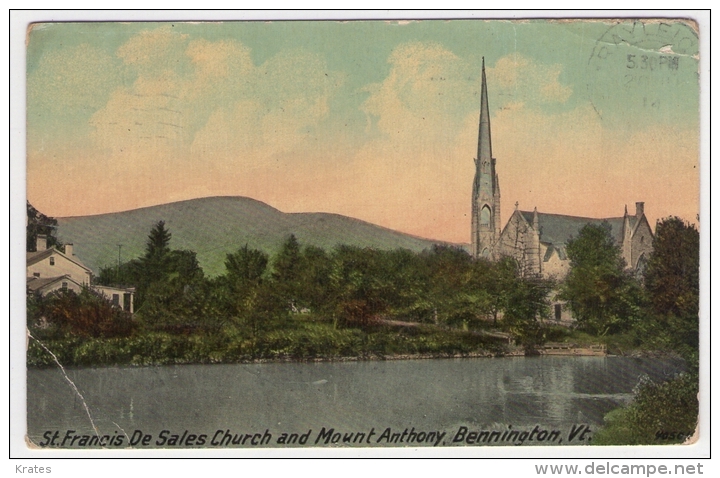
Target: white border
{"x":17,"y":448}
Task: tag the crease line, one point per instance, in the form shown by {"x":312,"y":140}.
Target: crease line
{"x":72,"y":384}
{"x":124,"y":432}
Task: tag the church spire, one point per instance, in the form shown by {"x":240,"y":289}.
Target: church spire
{"x":484,"y":142}
{"x":486,"y":191}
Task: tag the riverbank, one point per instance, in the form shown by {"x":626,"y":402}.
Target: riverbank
{"x":39,"y":362}
{"x":314,"y":342}
{"x":306,"y":342}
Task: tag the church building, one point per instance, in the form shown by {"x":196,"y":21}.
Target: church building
{"x":537,"y":240}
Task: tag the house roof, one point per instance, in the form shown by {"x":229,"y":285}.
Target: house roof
{"x":109,"y":288}
{"x":558,"y":229}
{"x":37,"y":283}
{"x":35,"y":257}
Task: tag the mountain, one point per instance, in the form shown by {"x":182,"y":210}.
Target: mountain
{"x":216,"y":226}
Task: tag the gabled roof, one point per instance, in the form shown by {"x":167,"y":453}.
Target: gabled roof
{"x":633,"y":221}
{"x":558,"y":229}
{"x":561,"y":252}
{"x":37,"y":283}
{"x":35,"y":257}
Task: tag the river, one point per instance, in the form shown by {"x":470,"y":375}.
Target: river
{"x":177,"y":405}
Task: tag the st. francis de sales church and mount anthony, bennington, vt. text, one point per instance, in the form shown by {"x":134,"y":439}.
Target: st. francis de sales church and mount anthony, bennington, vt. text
{"x":578,"y":434}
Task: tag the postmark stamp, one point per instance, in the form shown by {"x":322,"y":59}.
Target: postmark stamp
{"x":652,"y":62}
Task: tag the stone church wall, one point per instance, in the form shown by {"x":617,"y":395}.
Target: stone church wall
{"x":554,"y":268}
{"x":641,"y":242}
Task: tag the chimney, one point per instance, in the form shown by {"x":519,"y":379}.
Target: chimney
{"x":69,"y":250}
{"x":639,"y":209}
{"x":41,"y":242}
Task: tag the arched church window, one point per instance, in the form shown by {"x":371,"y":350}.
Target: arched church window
{"x":485,"y":216}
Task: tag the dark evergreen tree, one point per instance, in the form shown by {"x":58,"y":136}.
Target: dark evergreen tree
{"x":158,"y":241}
{"x":287,"y":269}
{"x":672,"y":281}
{"x":314,"y":281}
{"x":38,"y":223}
{"x":171,"y":291}
{"x":155,"y":264}
{"x":672,"y":276}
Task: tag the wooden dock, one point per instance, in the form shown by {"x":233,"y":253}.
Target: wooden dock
{"x":599,"y":350}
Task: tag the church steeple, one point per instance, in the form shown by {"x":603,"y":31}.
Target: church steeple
{"x":484,"y":141}
{"x":486,"y":189}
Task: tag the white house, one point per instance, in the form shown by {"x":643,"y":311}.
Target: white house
{"x":120,"y":297}
{"x":49,"y":269}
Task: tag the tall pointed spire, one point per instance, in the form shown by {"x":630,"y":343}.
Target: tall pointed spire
{"x":486,"y":191}
{"x":484,"y":142}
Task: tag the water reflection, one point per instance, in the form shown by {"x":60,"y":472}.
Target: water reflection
{"x":295,"y":397}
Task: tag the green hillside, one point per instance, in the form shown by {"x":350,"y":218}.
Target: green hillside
{"x":215,"y":226}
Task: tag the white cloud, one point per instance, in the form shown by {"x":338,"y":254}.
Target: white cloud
{"x":154,"y":50}
{"x":275,"y":109}
{"x":202,"y":100}
{"x":423,"y":91}
{"x":519,"y":79}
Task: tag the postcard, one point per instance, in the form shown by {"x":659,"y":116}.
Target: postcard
{"x":466,"y":233}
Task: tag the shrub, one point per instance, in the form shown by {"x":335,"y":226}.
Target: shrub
{"x":87,"y":314}
{"x":661,"y":413}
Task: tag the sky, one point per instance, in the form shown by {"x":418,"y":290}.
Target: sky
{"x":376,"y":120}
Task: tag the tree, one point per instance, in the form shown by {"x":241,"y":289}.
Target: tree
{"x":175,"y":296}
{"x":672,"y":276}
{"x":667,"y":411}
{"x":526,"y":306}
{"x":315,"y":279}
{"x":672,"y":282}
{"x":449,"y":298}
{"x":401,"y":281}
{"x":245,"y":269}
{"x":246,"y":298}
{"x":357,"y":286}
{"x":246,"y":265}
{"x":287,"y":269}
{"x":122,"y":275}
{"x":171,"y":291}
{"x":158,"y":241}
{"x":494,"y":282}
{"x":155,"y":265}
{"x":601,"y":295}
{"x":38,"y":223}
